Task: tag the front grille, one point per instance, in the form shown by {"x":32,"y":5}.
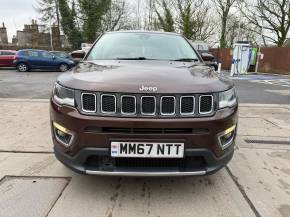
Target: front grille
{"x":148,"y":105}
{"x":137,"y":105}
{"x":108,"y":103}
{"x":187,"y":105}
{"x":89,"y":102}
{"x":128,"y":104}
{"x":205,"y":104}
{"x":167,"y":105}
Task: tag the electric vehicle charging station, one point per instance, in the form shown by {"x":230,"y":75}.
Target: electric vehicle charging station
{"x":242,"y":52}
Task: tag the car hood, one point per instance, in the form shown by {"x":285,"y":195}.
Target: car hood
{"x":131,"y":76}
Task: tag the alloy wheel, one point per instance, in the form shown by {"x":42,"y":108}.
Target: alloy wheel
{"x":22,"y":67}
{"x":63,"y":67}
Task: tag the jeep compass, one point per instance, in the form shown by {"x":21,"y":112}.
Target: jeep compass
{"x":143,"y":104}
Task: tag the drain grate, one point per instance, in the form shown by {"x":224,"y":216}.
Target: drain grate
{"x":258,"y":141}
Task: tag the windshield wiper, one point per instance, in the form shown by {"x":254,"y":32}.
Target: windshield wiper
{"x":186,"y":60}
{"x":132,"y":58}
{"x":144,"y":58}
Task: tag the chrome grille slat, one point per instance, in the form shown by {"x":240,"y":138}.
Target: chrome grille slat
{"x":187,"y":107}
{"x":89,"y":102}
{"x":205,"y":104}
{"x":107,"y":105}
{"x":127,"y":107}
{"x":167,"y":106}
{"x":118,"y":104}
{"x":148,"y":107}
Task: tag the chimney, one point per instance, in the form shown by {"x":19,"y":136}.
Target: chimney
{"x":3,"y":25}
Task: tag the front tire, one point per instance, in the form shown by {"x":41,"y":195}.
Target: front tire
{"x":63,"y":67}
{"x":22,"y":67}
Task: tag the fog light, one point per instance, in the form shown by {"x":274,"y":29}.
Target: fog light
{"x":62,"y":135}
{"x":226,"y":137}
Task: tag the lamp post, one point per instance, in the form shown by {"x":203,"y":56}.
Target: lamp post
{"x":50,"y":33}
{"x":51,"y":43}
{"x":138,"y":14}
{"x":259,"y":51}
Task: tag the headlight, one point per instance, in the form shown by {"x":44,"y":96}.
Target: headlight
{"x":63,"y":95}
{"x":228,"y":98}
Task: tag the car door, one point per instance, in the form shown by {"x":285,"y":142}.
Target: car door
{"x":47,"y":60}
{"x":33,"y":59}
{"x":1,"y":59}
{"x":8,"y":57}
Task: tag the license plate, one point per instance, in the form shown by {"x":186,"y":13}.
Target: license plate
{"x":147,"y":149}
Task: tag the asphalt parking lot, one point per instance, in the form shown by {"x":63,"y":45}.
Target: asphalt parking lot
{"x":29,"y":85}
{"x":262,"y":89}
{"x":34,"y":183}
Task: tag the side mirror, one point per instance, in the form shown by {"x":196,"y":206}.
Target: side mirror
{"x":53,"y":57}
{"x":78,"y":54}
{"x":82,"y":54}
{"x":207,"y":57}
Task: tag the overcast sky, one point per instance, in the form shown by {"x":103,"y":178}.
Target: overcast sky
{"x":16,"y":13}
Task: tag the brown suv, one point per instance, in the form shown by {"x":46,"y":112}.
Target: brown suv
{"x":143,"y":104}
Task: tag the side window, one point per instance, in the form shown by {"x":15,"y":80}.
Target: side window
{"x":32,"y":53}
{"x":63,"y":55}
{"x":7,"y":53}
{"x":0,"y":53}
{"x":45,"y":54}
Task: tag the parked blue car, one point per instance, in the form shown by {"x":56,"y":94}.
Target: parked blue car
{"x":29,"y":59}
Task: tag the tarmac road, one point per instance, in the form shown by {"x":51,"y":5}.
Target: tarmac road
{"x":262,"y":89}
{"x":29,"y":85}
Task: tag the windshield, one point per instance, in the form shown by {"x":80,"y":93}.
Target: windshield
{"x":142,"y":46}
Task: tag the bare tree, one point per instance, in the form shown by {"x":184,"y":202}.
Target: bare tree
{"x":193,"y":19}
{"x":150,"y":14}
{"x":118,"y":16}
{"x":223,"y":8}
{"x":273,"y":16}
{"x":166,"y":20}
{"x":239,"y":29}
{"x":49,"y":10}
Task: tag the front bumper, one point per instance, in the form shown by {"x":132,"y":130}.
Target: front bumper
{"x":200,"y":147}
{"x":78,"y":163}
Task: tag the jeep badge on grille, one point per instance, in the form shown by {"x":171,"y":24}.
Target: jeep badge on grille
{"x":148,"y":88}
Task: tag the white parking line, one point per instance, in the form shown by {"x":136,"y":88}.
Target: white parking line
{"x":277,"y":82}
{"x":22,"y":100}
